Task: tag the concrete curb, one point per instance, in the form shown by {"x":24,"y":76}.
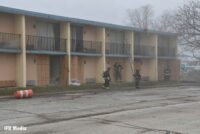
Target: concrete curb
{"x":6,"y":97}
{"x":94,"y":91}
{"x":59,"y":93}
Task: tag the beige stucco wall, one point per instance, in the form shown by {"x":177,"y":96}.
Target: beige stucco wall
{"x":31,"y":65}
{"x":39,"y":27}
{"x":90,"y":68}
{"x":7,"y":67}
{"x":7,"y":23}
{"x":30,"y":30}
{"x":90,"y":33}
{"x":129,"y":70}
{"x":143,"y":66}
{"x":113,"y":35}
{"x":83,"y":68}
{"x":146,"y":67}
{"x":153,"y":70}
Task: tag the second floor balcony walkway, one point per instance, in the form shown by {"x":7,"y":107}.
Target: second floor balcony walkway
{"x":166,"y":52}
{"x":117,"y":49}
{"x":144,"y":51}
{"x":9,"y":42}
{"x":45,"y":45}
{"x":83,"y":47}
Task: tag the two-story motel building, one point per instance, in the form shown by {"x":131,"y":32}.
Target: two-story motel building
{"x":41,"y":49}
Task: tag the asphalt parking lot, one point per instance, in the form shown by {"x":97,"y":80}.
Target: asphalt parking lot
{"x":165,"y":110}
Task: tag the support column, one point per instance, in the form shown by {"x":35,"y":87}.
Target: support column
{"x":153,"y":67}
{"x":64,"y":35}
{"x":69,"y":52}
{"x":21,"y":57}
{"x":104,"y":48}
{"x":101,"y":63}
{"x":129,"y":64}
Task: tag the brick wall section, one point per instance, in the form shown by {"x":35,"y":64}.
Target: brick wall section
{"x":8,"y":83}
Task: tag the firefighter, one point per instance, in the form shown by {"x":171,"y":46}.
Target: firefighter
{"x":120,"y":68}
{"x":116,"y":71}
{"x":167,"y":74}
{"x":107,"y":78}
{"x":137,"y":77}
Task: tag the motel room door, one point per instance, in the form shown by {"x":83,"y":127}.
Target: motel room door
{"x":43,"y":70}
{"x":55,"y":70}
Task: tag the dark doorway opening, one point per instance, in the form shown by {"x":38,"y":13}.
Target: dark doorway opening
{"x":55,"y":70}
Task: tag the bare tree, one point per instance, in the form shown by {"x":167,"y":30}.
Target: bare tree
{"x":165,"y":22}
{"x":187,"y":22}
{"x":141,"y":17}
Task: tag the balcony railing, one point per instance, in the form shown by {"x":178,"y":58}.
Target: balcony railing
{"x":9,"y":41}
{"x":117,"y":48}
{"x":144,"y":50}
{"x":39,"y":43}
{"x":87,"y":47}
{"x":166,"y":51}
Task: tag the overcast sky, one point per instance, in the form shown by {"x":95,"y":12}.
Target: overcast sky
{"x":111,"y":11}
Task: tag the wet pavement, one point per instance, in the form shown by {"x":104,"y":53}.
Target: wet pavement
{"x":166,"y":110}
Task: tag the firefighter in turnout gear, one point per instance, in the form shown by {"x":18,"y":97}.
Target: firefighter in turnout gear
{"x":107,"y":78}
{"x":137,"y":77}
{"x":118,"y":72}
{"x":167,"y":74}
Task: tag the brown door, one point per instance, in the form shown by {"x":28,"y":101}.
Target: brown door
{"x":43,"y":70}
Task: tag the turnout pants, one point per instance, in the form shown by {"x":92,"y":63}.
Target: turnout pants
{"x":107,"y":83}
{"x":137,"y":84}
